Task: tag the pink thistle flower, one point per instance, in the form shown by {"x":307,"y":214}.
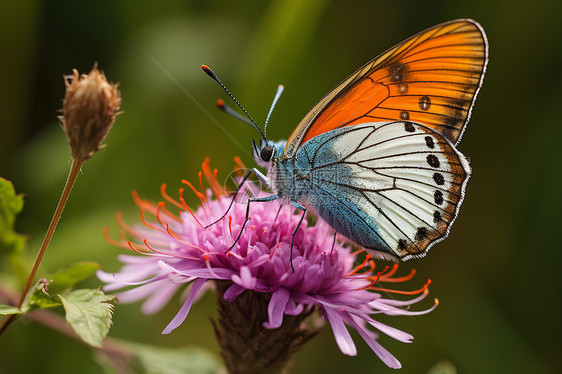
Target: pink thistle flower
{"x":177,"y":250}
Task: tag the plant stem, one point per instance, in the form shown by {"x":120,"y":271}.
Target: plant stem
{"x":72,"y":175}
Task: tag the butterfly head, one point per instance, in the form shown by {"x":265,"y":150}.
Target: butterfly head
{"x":267,"y":153}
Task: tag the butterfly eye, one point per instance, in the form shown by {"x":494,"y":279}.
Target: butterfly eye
{"x":266,"y":153}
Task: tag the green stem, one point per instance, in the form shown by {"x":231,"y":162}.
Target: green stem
{"x":72,"y":175}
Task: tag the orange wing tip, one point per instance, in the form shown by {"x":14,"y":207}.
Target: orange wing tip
{"x":209,"y":72}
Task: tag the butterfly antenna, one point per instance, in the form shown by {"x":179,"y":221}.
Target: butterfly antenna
{"x":280,"y":89}
{"x":223,"y":106}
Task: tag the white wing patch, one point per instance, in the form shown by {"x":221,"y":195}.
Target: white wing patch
{"x":407,"y":180}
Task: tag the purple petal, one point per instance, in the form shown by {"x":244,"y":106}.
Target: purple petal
{"x":276,"y":308}
{"x":395,"y":302}
{"x":126,"y":277}
{"x":245,"y":279}
{"x":127,"y":259}
{"x":233,"y":292}
{"x":124,"y":283}
{"x":184,"y":311}
{"x":218,"y":273}
{"x":392,"y":332}
{"x":293,"y":309}
{"x":343,"y":338}
{"x":158,"y":299}
{"x":138,"y":293}
{"x":105,"y":277}
{"x":379,"y":350}
{"x":392,"y":311}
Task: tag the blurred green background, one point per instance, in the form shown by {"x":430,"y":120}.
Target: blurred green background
{"x":498,"y":275}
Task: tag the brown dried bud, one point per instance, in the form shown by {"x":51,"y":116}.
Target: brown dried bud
{"x":89,"y":109}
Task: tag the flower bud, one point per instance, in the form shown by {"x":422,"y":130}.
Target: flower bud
{"x":89,"y":109}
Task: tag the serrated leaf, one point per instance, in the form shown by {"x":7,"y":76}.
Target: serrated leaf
{"x":10,"y":205}
{"x":65,"y":279}
{"x":8,"y":309}
{"x":148,"y":359}
{"x":89,"y":314}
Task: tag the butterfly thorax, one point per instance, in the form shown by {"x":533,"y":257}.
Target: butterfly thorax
{"x":282,"y":177}
{"x":288,"y":182}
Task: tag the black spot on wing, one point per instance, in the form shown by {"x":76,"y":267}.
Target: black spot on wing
{"x":429,"y":142}
{"x":409,"y":127}
{"x":421,"y":234}
{"x":438,"y":197}
{"x":397,"y":72}
{"x":402,"y":88}
{"x":437,"y":216}
{"x":424,"y":103}
{"x":433,"y":161}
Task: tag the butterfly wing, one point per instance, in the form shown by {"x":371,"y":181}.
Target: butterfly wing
{"x":392,"y":187}
{"x":432,"y":78}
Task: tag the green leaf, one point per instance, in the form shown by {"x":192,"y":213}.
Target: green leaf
{"x":148,"y":359}
{"x":158,"y":360}
{"x":89,"y":314}
{"x":40,"y":298}
{"x":10,"y":205}
{"x":8,"y":309}
{"x":65,"y":279}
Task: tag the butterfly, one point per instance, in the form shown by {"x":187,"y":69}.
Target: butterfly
{"x":376,"y":157}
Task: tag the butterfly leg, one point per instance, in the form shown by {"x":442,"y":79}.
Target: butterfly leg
{"x":261,"y":177}
{"x":334,"y":242}
{"x":278,"y":211}
{"x":303,"y":209}
{"x":252,"y":200}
